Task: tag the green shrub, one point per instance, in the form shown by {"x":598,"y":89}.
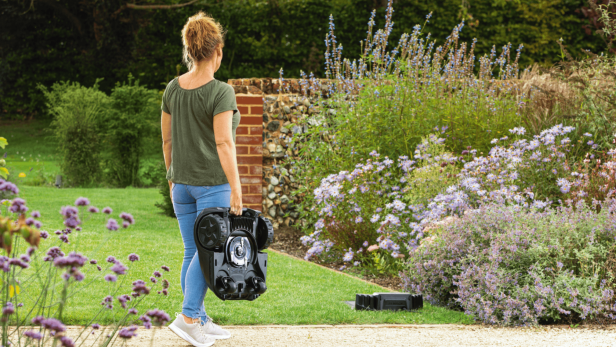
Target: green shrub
{"x":132,"y":115}
{"x":77,"y":113}
{"x":166,"y":205}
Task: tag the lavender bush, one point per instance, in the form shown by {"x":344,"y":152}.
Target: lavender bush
{"x":515,"y":266}
{"x":35,"y":319}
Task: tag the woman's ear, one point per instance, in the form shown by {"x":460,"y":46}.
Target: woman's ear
{"x":218,"y":56}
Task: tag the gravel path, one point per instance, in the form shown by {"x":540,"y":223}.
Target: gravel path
{"x":391,"y":335}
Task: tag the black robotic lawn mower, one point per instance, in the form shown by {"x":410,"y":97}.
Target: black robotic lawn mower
{"x":230,"y":252}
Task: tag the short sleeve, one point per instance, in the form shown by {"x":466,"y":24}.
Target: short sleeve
{"x":225,"y":100}
{"x":165,"y":103}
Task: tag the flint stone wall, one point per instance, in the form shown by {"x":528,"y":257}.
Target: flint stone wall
{"x":281,"y":114}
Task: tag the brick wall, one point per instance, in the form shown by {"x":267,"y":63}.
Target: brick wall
{"x":278,"y":115}
{"x":248,"y":144}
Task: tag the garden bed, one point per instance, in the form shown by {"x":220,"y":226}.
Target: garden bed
{"x":287,"y":240}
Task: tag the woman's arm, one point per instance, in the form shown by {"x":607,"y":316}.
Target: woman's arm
{"x":166,"y":129}
{"x":226,"y":153}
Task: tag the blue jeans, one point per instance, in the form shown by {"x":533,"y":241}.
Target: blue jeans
{"x":188,"y":202}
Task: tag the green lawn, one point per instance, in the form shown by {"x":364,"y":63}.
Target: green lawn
{"x":298,"y":292}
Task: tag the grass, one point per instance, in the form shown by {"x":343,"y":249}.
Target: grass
{"x":31,"y":150}
{"x":298,"y":292}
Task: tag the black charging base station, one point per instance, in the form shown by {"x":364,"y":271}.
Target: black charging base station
{"x":388,"y":301}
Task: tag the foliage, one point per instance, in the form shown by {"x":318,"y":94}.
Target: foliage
{"x":4,"y":172}
{"x":51,"y":279}
{"x":82,"y":40}
{"x":163,"y":187}
{"x":78,"y":113}
{"x":503,"y":265}
{"x":131,"y":115}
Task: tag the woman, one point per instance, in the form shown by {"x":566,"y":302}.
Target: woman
{"x":199,"y":118}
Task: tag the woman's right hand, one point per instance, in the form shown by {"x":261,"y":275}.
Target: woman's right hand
{"x":236,"y":201}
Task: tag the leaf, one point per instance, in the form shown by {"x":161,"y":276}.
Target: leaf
{"x":14,"y":290}
{"x":3,"y":142}
{"x":4,"y":172}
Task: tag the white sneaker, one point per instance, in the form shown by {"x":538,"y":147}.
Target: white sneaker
{"x":214,"y":331}
{"x":193,"y":333}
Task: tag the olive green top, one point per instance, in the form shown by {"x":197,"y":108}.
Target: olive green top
{"x":194,"y":158}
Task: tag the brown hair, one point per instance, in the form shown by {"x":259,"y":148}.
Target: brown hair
{"x":201,"y":35}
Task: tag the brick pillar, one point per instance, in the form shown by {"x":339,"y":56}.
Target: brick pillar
{"x":248,"y":144}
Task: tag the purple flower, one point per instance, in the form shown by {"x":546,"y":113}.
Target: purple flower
{"x":78,"y":276}
{"x":8,"y":310}
{"x":110,"y":278}
{"x":73,"y":260}
{"x":53,"y":325}
{"x":35,"y":335}
{"x":112,"y":224}
{"x":95,"y":326}
{"x":165,"y":267}
{"x":147,"y":321}
{"x":119,"y":268}
{"x":18,"y":205}
{"x":29,"y":221}
{"x":18,"y":262}
{"x":69,"y":211}
{"x":38,"y":320}
{"x":133,"y":311}
{"x":6,"y":186}
{"x":98,"y":267}
{"x":123,"y":299}
{"x":127,"y":333}
{"x":44,"y":234}
{"x":165,"y":283}
{"x":64,"y":238}
{"x":107,"y":210}
{"x":93,"y":261}
{"x":82,"y":202}
{"x":133,"y":257}
{"x":157,"y":274}
{"x":153,"y":280}
{"x":139,"y":288}
{"x":37,"y":224}
{"x":159,"y":317}
{"x":125,"y":224}
{"x":127,"y":217}
{"x":67,"y":341}
{"x":25,"y":258}
{"x":53,"y":253}
{"x":111,"y":259}
{"x":93,"y":209}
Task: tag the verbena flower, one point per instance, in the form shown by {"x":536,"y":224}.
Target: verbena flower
{"x":112,"y":224}
{"x":107,"y":210}
{"x":82,"y":202}
{"x":129,"y":332}
{"x":35,"y":335}
{"x":133,"y":257}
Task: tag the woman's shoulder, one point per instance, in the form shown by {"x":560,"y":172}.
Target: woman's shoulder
{"x":172,"y":84}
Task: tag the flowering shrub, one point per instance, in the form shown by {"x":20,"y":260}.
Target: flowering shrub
{"x":510,"y":265}
{"x":402,"y":201}
{"x":392,"y":96}
{"x":49,"y":268}
{"x":370,"y":200}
